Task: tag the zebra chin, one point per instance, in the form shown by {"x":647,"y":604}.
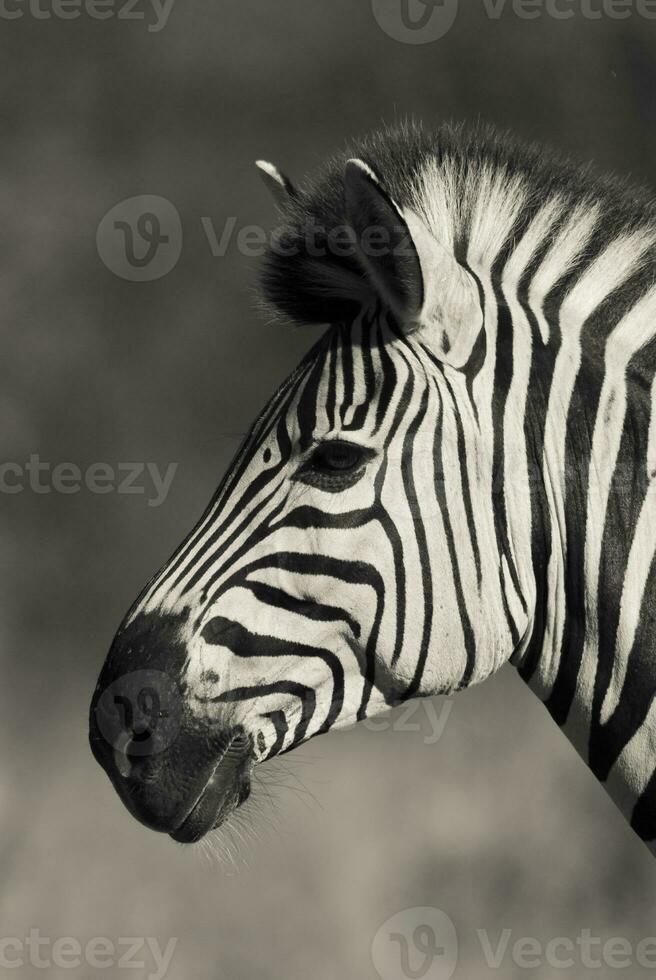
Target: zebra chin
{"x":227,"y":788}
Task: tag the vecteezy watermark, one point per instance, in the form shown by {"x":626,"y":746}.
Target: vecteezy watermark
{"x":416,"y":944}
{"x":425,"y":717}
{"x":156,"y":12}
{"x":416,"y":21}
{"x":422,"y":944}
{"x":139,"y":714}
{"x":566,"y":952}
{"x":425,"y":21}
{"x":568,"y":9}
{"x":140,"y":238}
{"x":41,"y":477}
{"x":100,"y":953}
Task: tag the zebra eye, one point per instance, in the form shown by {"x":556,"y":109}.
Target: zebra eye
{"x":334,"y":466}
{"x":337,"y":457}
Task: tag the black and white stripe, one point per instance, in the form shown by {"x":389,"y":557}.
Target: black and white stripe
{"x":504,"y":504}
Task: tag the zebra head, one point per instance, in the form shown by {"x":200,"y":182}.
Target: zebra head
{"x":351,"y":559}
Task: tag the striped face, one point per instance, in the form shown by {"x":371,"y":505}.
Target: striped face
{"x":310,"y":593}
{"x":350,"y":560}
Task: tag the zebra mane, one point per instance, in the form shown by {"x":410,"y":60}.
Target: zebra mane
{"x":472,"y":186}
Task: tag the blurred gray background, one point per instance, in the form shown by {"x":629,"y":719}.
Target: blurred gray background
{"x":498,"y":824}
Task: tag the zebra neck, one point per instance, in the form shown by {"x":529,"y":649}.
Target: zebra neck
{"x":592,"y":435}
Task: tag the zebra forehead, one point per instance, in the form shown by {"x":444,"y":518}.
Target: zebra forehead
{"x":471,"y":185}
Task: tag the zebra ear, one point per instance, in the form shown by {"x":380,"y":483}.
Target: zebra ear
{"x":430,"y":293}
{"x":384,"y":244}
{"x":278,"y":184}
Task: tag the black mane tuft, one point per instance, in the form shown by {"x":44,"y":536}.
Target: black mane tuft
{"x":305,"y":277}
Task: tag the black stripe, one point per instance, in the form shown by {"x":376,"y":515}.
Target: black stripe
{"x":242,"y":643}
{"x":581,"y":418}
{"x":316,"y":611}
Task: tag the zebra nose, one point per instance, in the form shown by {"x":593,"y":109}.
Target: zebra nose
{"x":136,"y":709}
{"x":159,"y":773}
{"x":134,"y":718}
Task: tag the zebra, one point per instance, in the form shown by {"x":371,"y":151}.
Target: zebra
{"x":459,"y":474}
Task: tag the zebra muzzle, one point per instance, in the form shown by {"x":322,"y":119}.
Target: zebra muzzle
{"x":176,"y":773}
{"x":184,"y":785}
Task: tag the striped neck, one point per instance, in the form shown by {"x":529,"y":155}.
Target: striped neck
{"x":590,"y":443}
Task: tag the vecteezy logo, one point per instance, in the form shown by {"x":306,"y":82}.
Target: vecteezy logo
{"x":140,"y":239}
{"x":140,"y":714}
{"x":415,"y":21}
{"x":416,"y":944}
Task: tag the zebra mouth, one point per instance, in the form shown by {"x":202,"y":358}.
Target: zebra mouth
{"x":227,"y":788}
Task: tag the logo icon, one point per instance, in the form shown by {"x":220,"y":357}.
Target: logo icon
{"x":140,"y":239}
{"x":140,"y":712}
{"x":415,"y":21}
{"x":416,"y":944}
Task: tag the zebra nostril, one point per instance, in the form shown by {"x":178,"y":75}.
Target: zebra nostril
{"x":122,"y":763}
{"x":121,"y":760}
{"x":129,"y":752}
